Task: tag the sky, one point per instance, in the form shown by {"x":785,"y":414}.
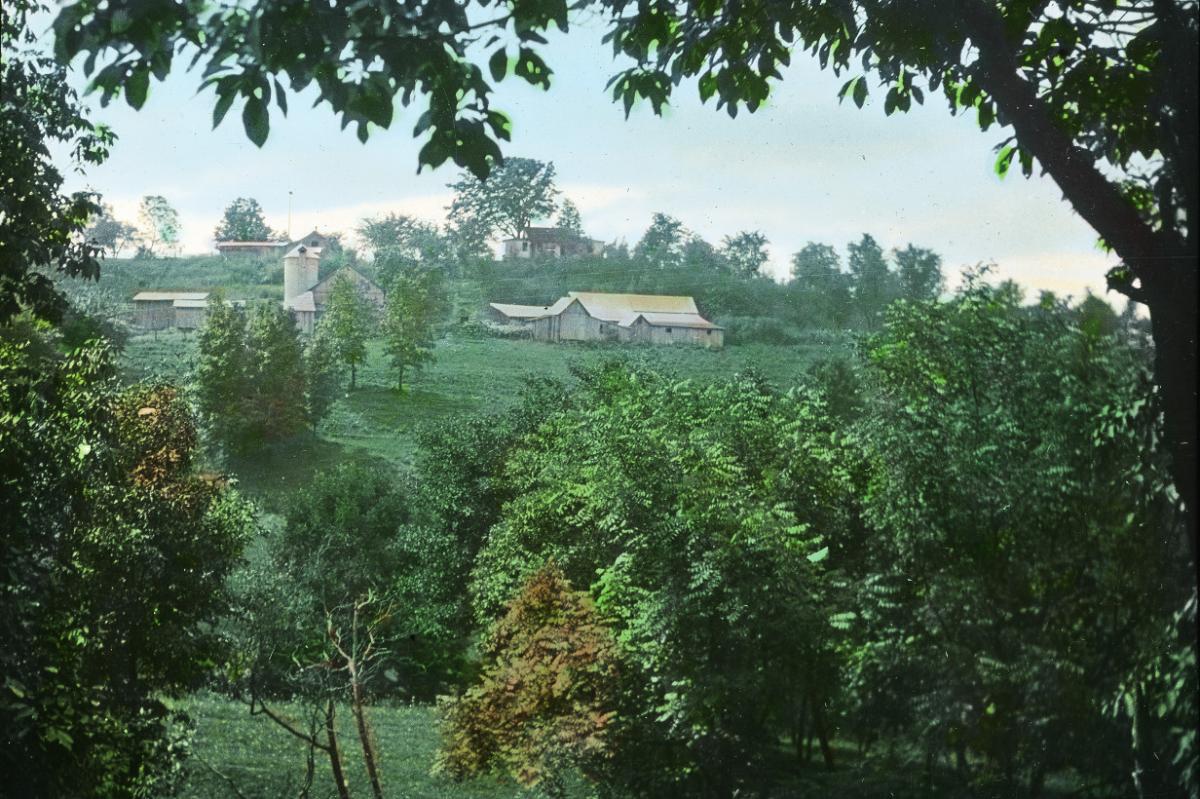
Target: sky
{"x":802,"y":168}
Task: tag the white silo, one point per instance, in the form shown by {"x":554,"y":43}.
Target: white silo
{"x":300,"y":271}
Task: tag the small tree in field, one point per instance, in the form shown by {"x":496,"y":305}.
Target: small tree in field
{"x":243,"y":221}
{"x":108,"y":232}
{"x":412,"y":305}
{"x":321,"y":366}
{"x":220,"y":381}
{"x":348,"y":321}
{"x":278,"y":381}
{"x":545,"y":701}
{"x":158,"y":224}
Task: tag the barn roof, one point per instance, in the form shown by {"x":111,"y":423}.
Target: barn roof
{"x":521,"y":311}
{"x":168,"y":296}
{"x":301,"y":302}
{"x":302,"y":249}
{"x":615,"y":307}
{"x":693,"y":320}
{"x":346,"y":271}
{"x":190,"y":303}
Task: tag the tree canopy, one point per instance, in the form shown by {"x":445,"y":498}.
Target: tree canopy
{"x":516,"y":193}
{"x":243,"y":221}
{"x":1090,"y":89}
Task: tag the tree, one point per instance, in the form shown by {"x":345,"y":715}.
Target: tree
{"x":569,"y":221}
{"x":413,"y":302}
{"x":321,"y":368}
{"x":243,"y":221}
{"x":221,"y":382}
{"x":516,"y":193}
{"x":872,"y":283}
{"x":39,"y":225}
{"x":158,"y":223}
{"x":116,"y":554}
{"x":398,"y":242}
{"x":349,"y":319}
{"x":662,"y":244}
{"x":918,"y":273}
{"x":822,"y":286}
{"x":1091,"y":93}
{"x":547,"y":695}
{"x":276,"y":408}
{"x":746,"y":253}
{"x":108,"y":232}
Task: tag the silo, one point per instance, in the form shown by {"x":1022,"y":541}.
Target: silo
{"x":300,"y":271}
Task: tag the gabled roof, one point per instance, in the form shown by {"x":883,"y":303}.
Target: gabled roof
{"x":301,"y":249}
{"x":521,"y":311}
{"x":168,"y":296}
{"x":346,"y":271}
{"x":615,"y":307}
{"x":671,"y":320}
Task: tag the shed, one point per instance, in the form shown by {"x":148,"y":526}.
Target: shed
{"x":155,"y":310}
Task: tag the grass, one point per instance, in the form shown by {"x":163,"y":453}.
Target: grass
{"x":232,"y":748}
{"x":377,"y":423}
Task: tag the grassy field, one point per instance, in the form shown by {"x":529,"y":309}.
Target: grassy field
{"x":232,"y":749}
{"x":470,"y":375}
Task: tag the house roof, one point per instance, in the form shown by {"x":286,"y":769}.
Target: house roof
{"x":190,"y":303}
{"x":615,"y":307}
{"x":301,"y":249}
{"x":692,"y":320}
{"x":521,"y":311}
{"x":301,"y":302}
{"x":168,"y":296}
{"x":226,"y":245}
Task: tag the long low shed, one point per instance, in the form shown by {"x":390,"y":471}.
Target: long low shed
{"x":155,"y":310}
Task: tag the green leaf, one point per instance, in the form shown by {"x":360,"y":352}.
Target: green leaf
{"x":819,"y":555}
{"x":137,"y":86}
{"x":1004,"y":159}
{"x":224,"y":101}
{"x":860,"y":92}
{"x":498,"y":64}
{"x":256,"y":120}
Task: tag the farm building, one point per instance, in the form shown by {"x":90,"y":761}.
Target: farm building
{"x":313,"y":239}
{"x":159,"y":310}
{"x":504,"y":313}
{"x":306,"y":296}
{"x":190,"y":314}
{"x":551,"y":241}
{"x":592,"y":316}
{"x":251,"y":248}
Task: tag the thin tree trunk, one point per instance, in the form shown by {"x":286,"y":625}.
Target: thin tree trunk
{"x":353,"y":375}
{"x":364,"y":734}
{"x":335,"y":757}
{"x":822,"y":734}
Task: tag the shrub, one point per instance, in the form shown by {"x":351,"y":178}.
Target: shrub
{"x":544,"y":702}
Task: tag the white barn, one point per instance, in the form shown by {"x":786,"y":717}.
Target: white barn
{"x":596,"y":316}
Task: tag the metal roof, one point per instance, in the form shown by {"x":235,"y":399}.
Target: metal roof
{"x":303,"y":249}
{"x":615,"y":307}
{"x":521,"y":311}
{"x":168,"y":296}
{"x":671,"y":320}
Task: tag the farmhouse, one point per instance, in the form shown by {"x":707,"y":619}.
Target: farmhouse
{"x":159,"y":310}
{"x":306,"y":296}
{"x":592,"y":316}
{"x":551,"y":241}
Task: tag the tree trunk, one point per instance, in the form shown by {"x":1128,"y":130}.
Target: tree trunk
{"x":335,"y":757}
{"x":818,"y":717}
{"x":364,"y":734}
{"x":353,"y":375}
{"x":1163,"y":262}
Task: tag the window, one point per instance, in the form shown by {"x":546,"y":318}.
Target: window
{"x":668,"y":330}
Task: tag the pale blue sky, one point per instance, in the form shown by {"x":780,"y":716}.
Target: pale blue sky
{"x":802,"y":168}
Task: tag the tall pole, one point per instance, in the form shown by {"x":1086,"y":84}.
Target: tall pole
{"x":289,"y":232}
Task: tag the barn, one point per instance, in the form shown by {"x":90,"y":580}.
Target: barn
{"x":156,"y":310}
{"x":306,"y":297}
{"x":638,"y":318}
{"x":505,"y":313}
{"x":190,"y":314}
